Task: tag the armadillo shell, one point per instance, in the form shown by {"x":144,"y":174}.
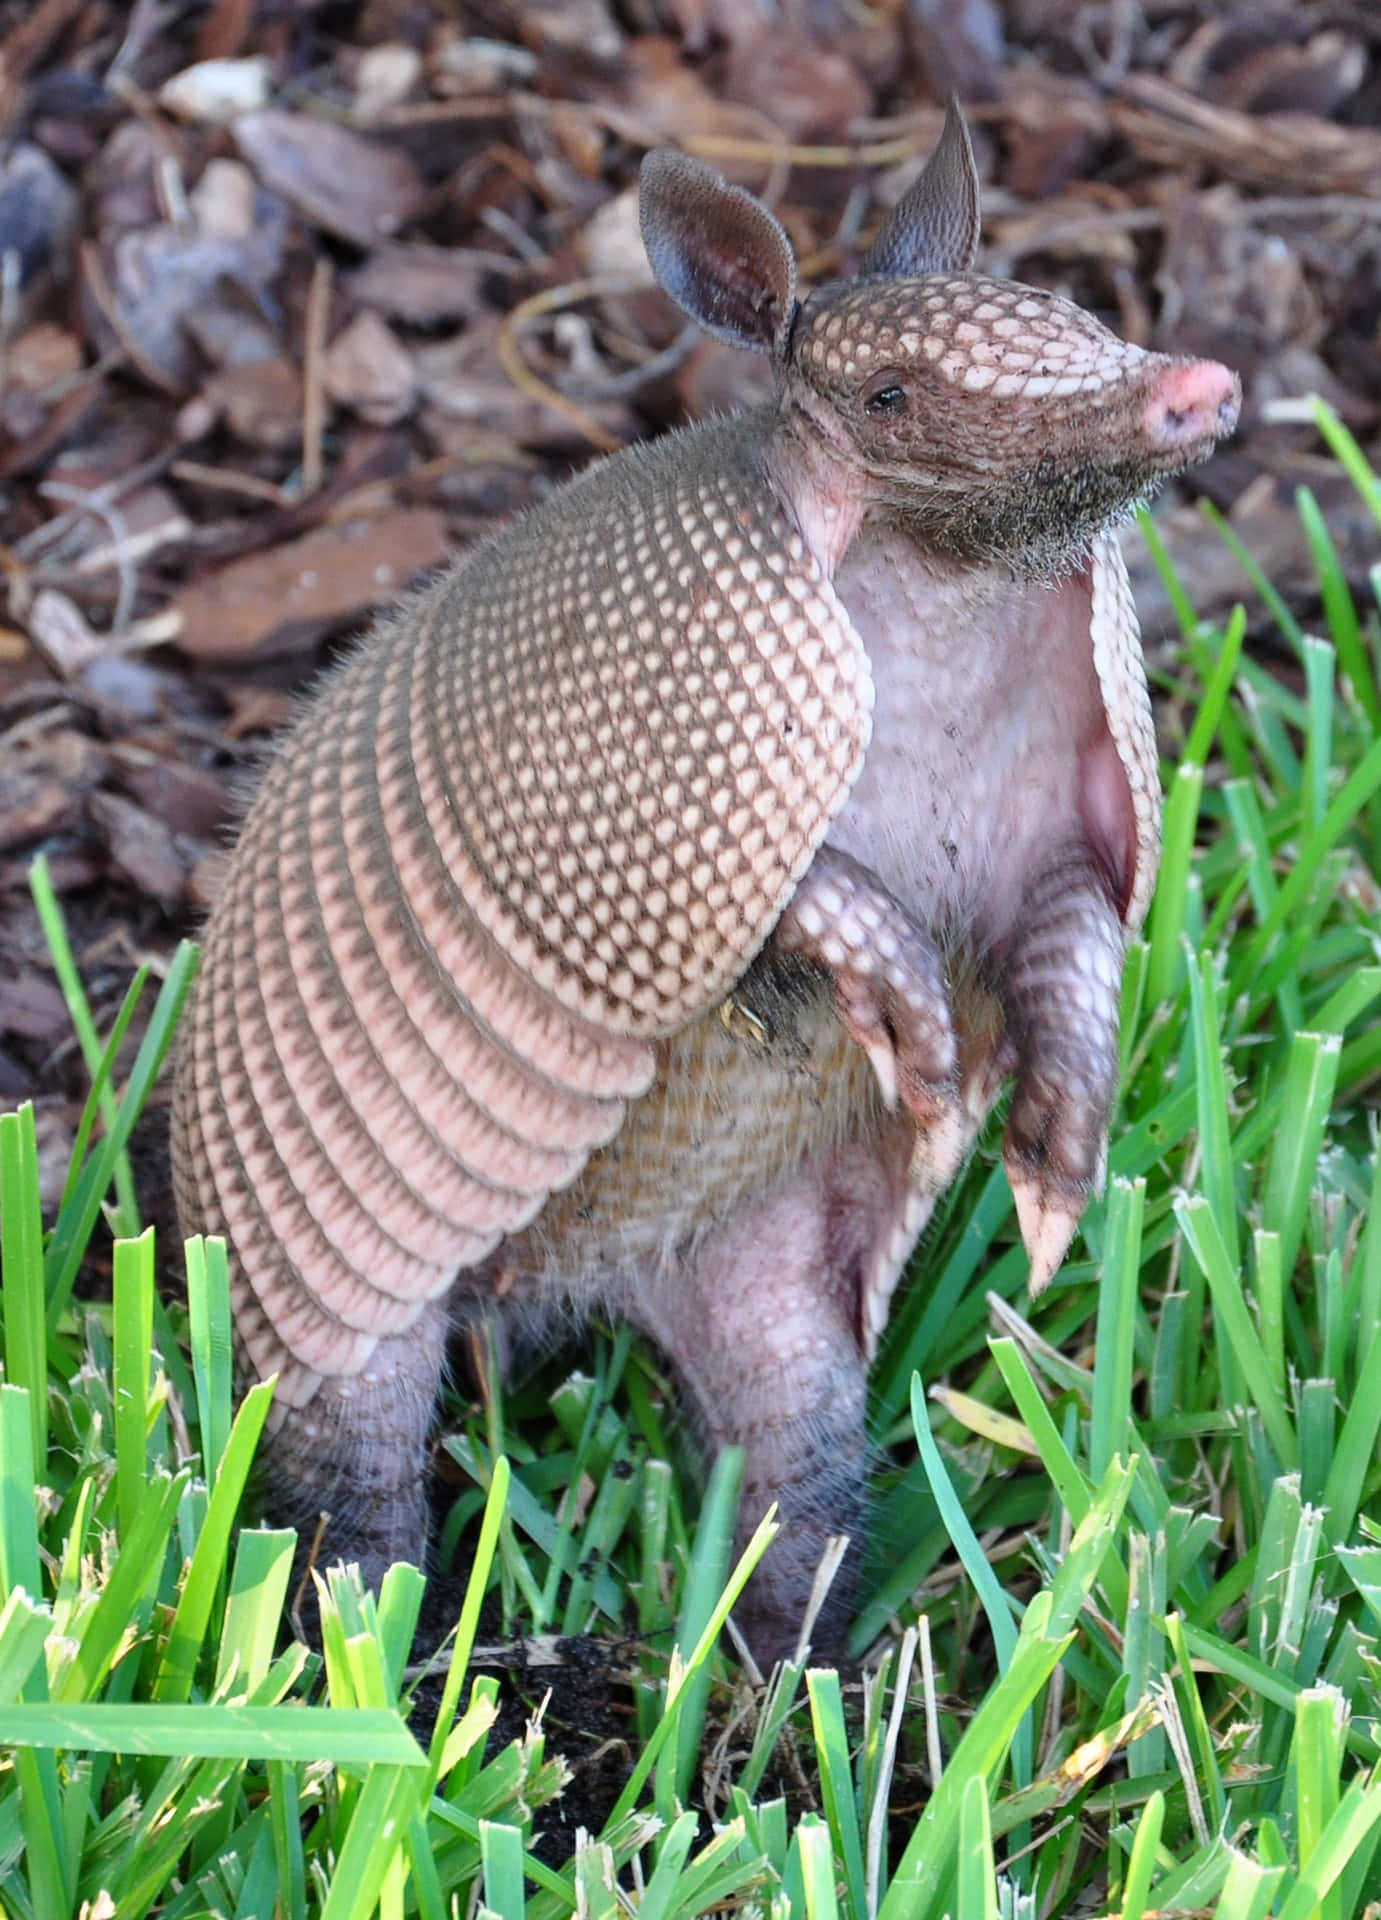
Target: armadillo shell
{"x":1115,"y":634}
{"x":547,"y":816}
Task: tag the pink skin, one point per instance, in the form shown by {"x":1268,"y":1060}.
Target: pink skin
{"x":1193,"y":401}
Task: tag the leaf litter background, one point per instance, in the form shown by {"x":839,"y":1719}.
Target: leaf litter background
{"x":298,"y":300}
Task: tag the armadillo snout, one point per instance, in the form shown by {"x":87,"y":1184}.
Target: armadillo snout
{"x":1192,"y":404}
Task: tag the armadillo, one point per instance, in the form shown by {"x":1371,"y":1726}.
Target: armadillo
{"x":648,"y":915}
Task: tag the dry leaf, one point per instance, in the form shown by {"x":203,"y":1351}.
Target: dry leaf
{"x":423,"y":284}
{"x":368,"y":371}
{"x":354,"y":188}
{"x":279,"y":599}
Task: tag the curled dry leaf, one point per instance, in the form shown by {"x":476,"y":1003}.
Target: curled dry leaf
{"x":276,"y":601}
{"x":140,"y":846}
{"x":368,"y":370}
{"x":355,"y":188}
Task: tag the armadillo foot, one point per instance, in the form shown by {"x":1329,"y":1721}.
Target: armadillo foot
{"x":889,"y":990}
{"x":1061,"y":991}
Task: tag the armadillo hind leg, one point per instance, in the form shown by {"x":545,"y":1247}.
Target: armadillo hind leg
{"x":357,"y":1453}
{"x":888,"y":983}
{"x":762,"y":1321}
{"x":1061,"y":989}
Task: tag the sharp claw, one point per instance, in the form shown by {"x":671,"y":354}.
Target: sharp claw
{"x":875,"y":1299}
{"x":1047,"y":1221}
{"x":884,"y":1061}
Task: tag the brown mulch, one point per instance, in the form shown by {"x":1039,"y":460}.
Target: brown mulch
{"x":297,"y":299}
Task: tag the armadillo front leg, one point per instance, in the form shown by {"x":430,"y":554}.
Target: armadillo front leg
{"x":357,"y":1453}
{"x":1061,"y":991}
{"x":888,"y":982}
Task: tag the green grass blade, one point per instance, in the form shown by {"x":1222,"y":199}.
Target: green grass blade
{"x":817,"y":1869}
{"x":133,"y":1359}
{"x":438,"y":1763}
{"x":357,"y":1737}
{"x":21,"y":1270}
{"x":836,"y":1781}
{"x":97,"y":1058}
{"x":1249,"y":1890}
{"x":929,"y":1856}
{"x":178,"y":1665}
{"x":1310,"y":1078}
{"x":19,"y":1560}
{"x":213,"y":1356}
{"x":501,"y":1850}
{"x":977,"y":1876}
{"x":1343,"y":445}
{"x":711,"y":1556}
{"x":373,"y":1841}
{"x":135,"y":1578}
{"x":1169,"y":913}
{"x":1117,"y":1307}
{"x":254,"y":1607}
{"x":1137,"y":1889}
{"x":78,"y":1217}
{"x":1339,"y":608}
{"x":1224,"y":1282}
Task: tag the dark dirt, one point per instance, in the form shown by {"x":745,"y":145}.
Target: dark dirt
{"x":277,"y":335}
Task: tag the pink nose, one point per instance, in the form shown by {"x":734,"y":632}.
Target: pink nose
{"x":1192,"y":400}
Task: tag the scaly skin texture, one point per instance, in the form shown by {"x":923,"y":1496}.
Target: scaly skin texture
{"x":649,"y":914}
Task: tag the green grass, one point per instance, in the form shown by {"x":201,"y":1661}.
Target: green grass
{"x":1127,"y":1542}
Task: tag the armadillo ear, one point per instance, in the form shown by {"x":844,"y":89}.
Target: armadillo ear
{"x":718,"y":252}
{"x":934,"y":226}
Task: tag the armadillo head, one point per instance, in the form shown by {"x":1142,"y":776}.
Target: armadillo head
{"x":999,"y":420}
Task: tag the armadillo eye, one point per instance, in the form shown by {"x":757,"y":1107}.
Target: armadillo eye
{"x":884,"y":395}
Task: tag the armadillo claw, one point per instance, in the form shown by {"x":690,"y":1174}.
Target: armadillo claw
{"x":888,"y":981}
{"x":1048,"y":1211}
{"x":903,"y":1026}
{"x":884,"y":1064}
